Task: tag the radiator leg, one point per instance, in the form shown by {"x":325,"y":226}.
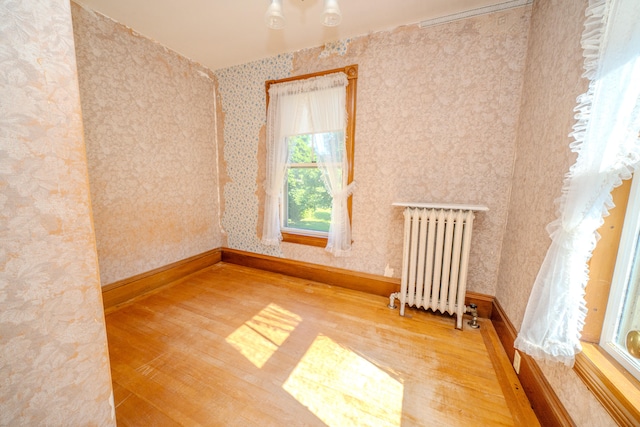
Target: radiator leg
{"x":392,"y":299}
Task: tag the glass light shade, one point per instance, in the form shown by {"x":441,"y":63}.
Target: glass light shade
{"x":274,"y":17}
{"x":331,"y":15}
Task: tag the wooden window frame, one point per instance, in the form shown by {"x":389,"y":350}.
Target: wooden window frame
{"x":352,"y":76}
{"x":616,"y":389}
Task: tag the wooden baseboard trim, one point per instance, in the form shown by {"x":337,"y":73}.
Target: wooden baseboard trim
{"x":127,"y":289}
{"x":123,"y":290}
{"x":483,"y":301}
{"x":544,"y":401}
{"x":364,"y":282}
{"x":370,"y":283}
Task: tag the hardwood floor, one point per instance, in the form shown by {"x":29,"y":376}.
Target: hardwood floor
{"x":232,"y":345}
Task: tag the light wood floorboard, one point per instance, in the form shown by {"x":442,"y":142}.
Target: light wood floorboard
{"x":232,"y":345}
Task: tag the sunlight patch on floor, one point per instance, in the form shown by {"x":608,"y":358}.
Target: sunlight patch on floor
{"x":261,"y":336}
{"x":342,"y":388}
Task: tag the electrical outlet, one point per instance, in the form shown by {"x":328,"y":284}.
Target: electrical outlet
{"x":516,"y":362}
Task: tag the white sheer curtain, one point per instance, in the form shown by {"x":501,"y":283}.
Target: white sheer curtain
{"x":332,"y":160}
{"x":608,"y":147}
{"x":309,"y":106}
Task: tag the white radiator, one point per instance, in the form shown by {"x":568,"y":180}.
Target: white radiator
{"x":437,"y":240}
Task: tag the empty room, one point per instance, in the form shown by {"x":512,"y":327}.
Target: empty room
{"x":319,"y":212}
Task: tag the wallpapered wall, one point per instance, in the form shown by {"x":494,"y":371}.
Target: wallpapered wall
{"x":242,"y":99}
{"x":436,"y":122}
{"x":53,"y":351}
{"x":552,"y":83}
{"x":149,"y":120}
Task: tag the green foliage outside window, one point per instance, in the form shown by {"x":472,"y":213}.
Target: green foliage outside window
{"x":308,"y":202}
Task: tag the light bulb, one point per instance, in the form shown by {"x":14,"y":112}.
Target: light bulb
{"x":274,"y":17}
{"x":331,"y":15}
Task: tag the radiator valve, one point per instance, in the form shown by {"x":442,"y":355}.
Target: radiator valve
{"x":392,"y":299}
{"x":473,"y":309}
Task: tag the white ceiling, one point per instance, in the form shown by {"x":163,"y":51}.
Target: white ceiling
{"x":222,"y":33}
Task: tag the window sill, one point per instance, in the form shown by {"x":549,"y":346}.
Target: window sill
{"x":304,"y":240}
{"x":616,"y":389}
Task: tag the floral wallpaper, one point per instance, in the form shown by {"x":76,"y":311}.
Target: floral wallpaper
{"x":436,"y":119}
{"x":54,"y":365}
{"x":552,"y":83}
{"x":243,"y":102}
{"x":149,"y":121}
{"x":471,"y":111}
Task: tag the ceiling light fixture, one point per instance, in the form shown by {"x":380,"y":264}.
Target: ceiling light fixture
{"x":330,"y":17}
{"x":274,"y":17}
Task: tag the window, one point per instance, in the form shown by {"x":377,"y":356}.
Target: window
{"x":307,"y":205}
{"x":315,"y":149}
{"x":610,"y":381}
{"x":606,"y":143}
{"x":621,"y":330}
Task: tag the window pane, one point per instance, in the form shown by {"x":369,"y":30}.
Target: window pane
{"x":622,"y":320}
{"x":330,"y":144}
{"x":308,"y":203}
{"x":630,"y":315}
{"x":300,"y":149}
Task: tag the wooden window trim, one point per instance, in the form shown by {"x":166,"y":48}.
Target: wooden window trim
{"x":616,"y":389}
{"x":303,"y":239}
{"x":352,"y":76}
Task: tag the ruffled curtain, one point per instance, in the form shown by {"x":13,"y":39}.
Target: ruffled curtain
{"x":608,"y":147}
{"x":311,"y":106}
{"x":333,"y":163}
